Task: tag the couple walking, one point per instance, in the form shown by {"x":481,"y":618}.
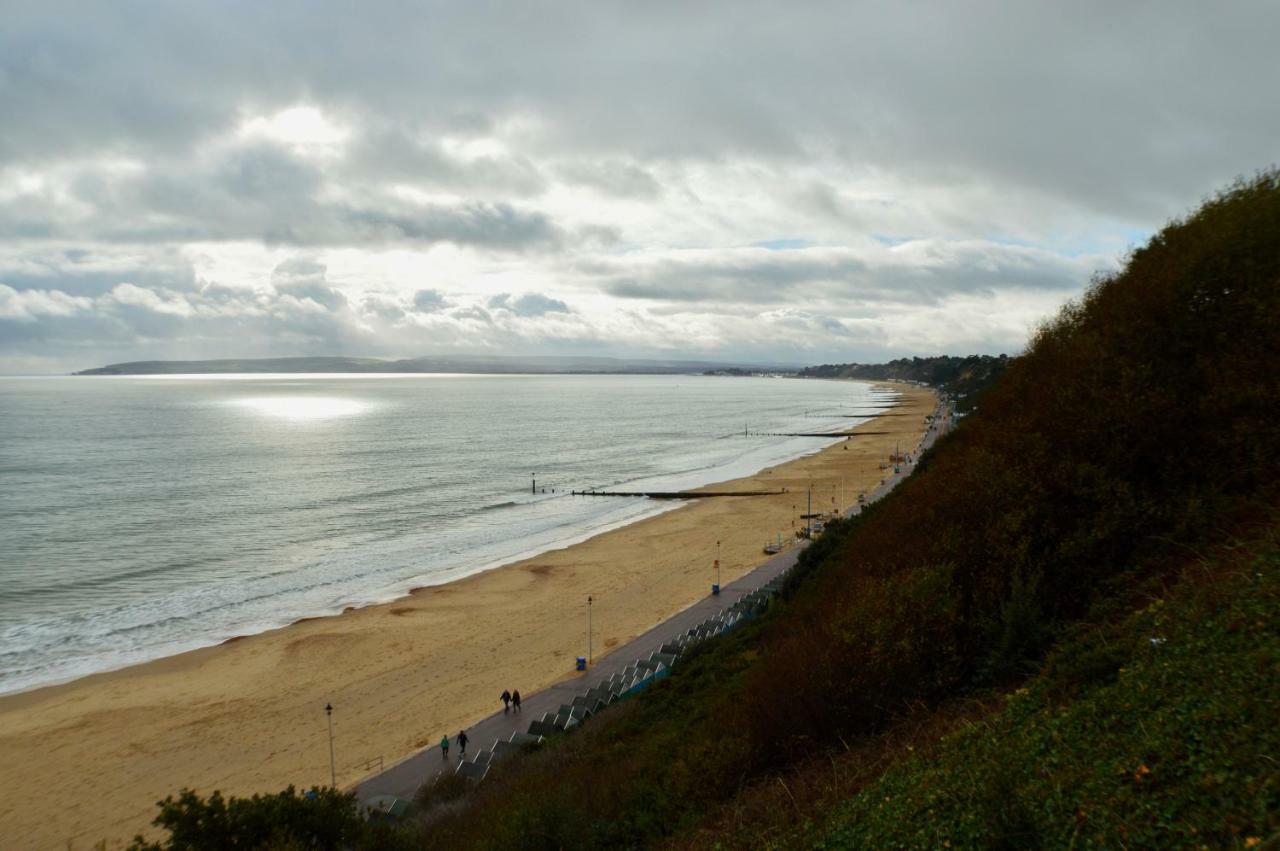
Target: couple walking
{"x":510,"y":699}
{"x":462,"y":745}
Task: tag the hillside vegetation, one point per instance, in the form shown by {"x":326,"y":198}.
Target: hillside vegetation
{"x":962,"y":378}
{"x":1130,"y":456}
{"x":1151,"y":732}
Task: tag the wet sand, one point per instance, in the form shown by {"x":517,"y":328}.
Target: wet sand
{"x":86,"y":761}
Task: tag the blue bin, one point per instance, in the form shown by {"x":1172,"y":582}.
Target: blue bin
{"x":715,"y":589}
{"x":582,"y":663}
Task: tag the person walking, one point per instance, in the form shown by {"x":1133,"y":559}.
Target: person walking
{"x":462,"y":743}
{"x":444,"y":747}
{"x":515,"y":699}
{"x":506,"y":701}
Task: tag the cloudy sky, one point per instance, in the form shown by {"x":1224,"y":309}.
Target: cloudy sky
{"x":783,"y":182}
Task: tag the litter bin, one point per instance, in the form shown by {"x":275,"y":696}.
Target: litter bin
{"x":715,"y":589}
{"x":582,"y":663}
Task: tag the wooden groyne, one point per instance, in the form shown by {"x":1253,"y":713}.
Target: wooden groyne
{"x":677,"y":494}
{"x":816,"y":433}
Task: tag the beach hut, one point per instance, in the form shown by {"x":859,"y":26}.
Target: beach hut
{"x":386,"y":808}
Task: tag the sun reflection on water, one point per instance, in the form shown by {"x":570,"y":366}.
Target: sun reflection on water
{"x":302,"y":407}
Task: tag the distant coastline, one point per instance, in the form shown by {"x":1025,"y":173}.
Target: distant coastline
{"x":468,"y":364}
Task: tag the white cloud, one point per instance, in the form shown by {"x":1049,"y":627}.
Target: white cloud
{"x":304,"y":129}
{"x":174,"y":304}
{"x":27,"y":305}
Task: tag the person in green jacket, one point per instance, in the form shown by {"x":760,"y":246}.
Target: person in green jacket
{"x":444,"y":746}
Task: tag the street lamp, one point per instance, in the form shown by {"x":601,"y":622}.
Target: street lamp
{"x":333,"y":770}
{"x":589,"y":650}
{"x":716,"y":590}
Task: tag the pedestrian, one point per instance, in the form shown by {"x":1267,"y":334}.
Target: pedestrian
{"x":462,"y":743}
{"x":444,"y":747}
{"x":506,"y":701}
{"x":515,"y":699}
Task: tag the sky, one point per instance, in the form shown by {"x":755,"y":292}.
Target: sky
{"x":789,"y":183}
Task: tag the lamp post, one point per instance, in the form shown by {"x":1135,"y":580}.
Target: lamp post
{"x":589,"y":649}
{"x":809,"y":513}
{"x":333,"y":770}
{"x":716,"y":590}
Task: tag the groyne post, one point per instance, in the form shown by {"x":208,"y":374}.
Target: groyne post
{"x":333,"y":765}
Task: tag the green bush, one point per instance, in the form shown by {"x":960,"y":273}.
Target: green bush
{"x":323,"y":819}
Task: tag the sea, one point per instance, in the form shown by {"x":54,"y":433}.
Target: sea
{"x":145,"y":516}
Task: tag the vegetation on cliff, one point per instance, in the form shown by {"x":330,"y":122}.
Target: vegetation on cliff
{"x":964,"y":378}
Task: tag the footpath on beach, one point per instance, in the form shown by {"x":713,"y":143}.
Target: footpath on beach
{"x":403,"y":779}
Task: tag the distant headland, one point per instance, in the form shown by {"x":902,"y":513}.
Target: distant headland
{"x":474,"y":364}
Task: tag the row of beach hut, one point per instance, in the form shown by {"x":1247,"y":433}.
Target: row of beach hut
{"x":632,"y":680}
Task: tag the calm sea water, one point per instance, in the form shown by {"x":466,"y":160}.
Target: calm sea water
{"x":141,"y":517}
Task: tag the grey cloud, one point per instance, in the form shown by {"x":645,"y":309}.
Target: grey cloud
{"x":304,"y":277}
{"x":919,"y":272}
{"x":491,"y":225}
{"x":474,"y":313}
{"x":382,"y":307}
{"x":394,"y":154}
{"x":257,"y":191}
{"x":614,"y":177}
{"x":429,"y":301}
{"x":79,"y":271}
{"x":1094,"y":104}
{"x":529,"y":304}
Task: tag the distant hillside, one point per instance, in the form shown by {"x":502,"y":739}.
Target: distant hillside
{"x":962,"y":378}
{"x":475,"y":364}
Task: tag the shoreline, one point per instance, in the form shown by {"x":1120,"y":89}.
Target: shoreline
{"x":195,"y":635}
{"x":244,"y":715}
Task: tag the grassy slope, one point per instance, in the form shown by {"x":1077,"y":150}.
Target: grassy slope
{"x":1137,"y":422}
{"x":1161,"y":730}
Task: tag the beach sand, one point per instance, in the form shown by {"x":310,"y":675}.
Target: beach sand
{"x":86,"y":761}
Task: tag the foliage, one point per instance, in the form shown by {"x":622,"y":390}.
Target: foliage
{"x":444,"y":788}
{"x":323,"y":818}
{"x":964,"y":378}
{"x":1168,"y":743}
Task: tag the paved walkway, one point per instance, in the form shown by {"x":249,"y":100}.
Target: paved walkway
{"x":404,"y":778}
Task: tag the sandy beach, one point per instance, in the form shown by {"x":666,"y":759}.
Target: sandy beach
{"x":86,"y":761}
